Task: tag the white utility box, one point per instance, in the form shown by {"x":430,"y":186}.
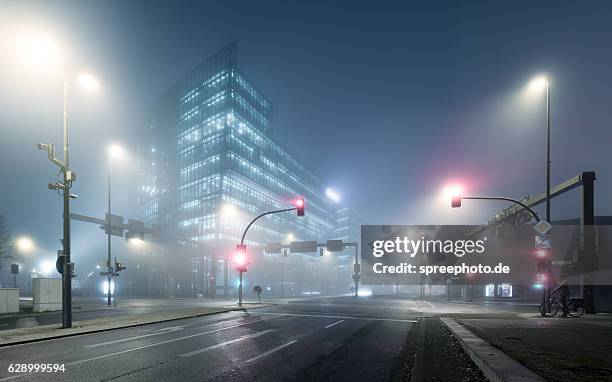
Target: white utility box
{"x":47,"y":294}
{"x":9,"y":300}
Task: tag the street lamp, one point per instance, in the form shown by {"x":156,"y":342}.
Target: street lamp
{"x":88,"y":82}
{"x":333,"y":195}
{"x":113,"y":152}
{"x":25,"y":244}
{"x":41,"y":50}
{"x":539,"y":84}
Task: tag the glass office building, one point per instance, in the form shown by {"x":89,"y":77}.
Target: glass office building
{"x":209,"y":164}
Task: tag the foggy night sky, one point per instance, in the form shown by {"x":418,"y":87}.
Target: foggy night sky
{"x":386,"y":101}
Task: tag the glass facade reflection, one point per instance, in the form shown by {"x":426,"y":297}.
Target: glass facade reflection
{"x":214,"y":167}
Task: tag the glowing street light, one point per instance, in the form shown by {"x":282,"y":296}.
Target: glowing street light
{"x":333,"y":195}
{"x":538,"y":84}
{"x":46,"y":267}
{"x":229,"y":210}
{"x":38,"y":50}
{"x":115,"y":151}
{"x":88,"y":82}
{"x":25,"y":244}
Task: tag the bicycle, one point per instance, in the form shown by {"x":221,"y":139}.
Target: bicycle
{"x":574,"y":306}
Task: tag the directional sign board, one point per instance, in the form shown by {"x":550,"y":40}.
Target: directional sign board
{"x":303,"y":246}
{"x":116,"y":221}
{"x":273,"y":247}
{"x":543,"y":241}
{"x":542,"y":227}
{"x":334,"y":246}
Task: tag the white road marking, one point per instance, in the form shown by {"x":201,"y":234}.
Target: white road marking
{"x":146,"y":346}
{"x":270,"y":351}
{"x":335,"y":316}
{"x":226,"y":322}
{"x":335,"y":323}
{"x":156,"y":333}
{"x":254,"y":335}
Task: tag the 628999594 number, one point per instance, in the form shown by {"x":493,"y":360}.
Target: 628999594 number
{"x":36,"y":368}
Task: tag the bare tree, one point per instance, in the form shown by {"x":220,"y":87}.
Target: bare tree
{"x":7,"y":249}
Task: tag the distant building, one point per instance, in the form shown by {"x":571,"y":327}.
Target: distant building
{"x":208,"y":163}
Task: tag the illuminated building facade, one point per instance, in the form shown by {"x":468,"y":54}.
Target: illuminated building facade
{"x":209,"y":164}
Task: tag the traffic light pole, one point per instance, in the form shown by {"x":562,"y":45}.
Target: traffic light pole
{"x":260,"y":216}
{"x":241,"y":270}
{"x":546,"y":291}
{"x":537,"y":218}
{"x":108,"y":234}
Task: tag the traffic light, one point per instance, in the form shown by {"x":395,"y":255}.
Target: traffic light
{"x":240,"y":258}
{"x":456,"y":201}
{"x":118,"y":267}
{"x":300,"y":204}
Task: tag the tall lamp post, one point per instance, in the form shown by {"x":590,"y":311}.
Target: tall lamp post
{"x":113,"y":151}
{"x":539,"y":83}
{"x":69,"y":177}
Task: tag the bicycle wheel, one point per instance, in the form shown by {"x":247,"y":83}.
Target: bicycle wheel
{"x":554,"y":308}
{"x":575,"y":310}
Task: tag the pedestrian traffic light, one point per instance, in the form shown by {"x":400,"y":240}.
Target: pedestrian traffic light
{"x":300,"y":204}
{"x":119,"y":266}
{"x":240,"y":258}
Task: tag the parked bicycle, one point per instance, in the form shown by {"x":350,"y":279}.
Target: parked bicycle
{"x":574,"y":306}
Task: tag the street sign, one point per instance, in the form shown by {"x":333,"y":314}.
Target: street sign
{"x":542,"y":227}
{"x":116,"y":222}
{"x":334,"y":246}
{"x":357,"y":268}
{"x":59,"y":264}
{"x":273,"y":247}
{"x":543,"y":241}
{"x":135,"y":230}
{"x":303,"y":246}
{"x":562,"y":262}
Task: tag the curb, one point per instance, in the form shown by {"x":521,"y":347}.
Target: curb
{"x":496,"y":365}
{"x":93,"y":330}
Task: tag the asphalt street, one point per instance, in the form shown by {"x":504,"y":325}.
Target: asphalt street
{"x":293,"y":341}
{"x":342,"y":338}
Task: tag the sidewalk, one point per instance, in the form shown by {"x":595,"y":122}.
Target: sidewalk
{"x":558,"y":349}
{"x":46,"y":332}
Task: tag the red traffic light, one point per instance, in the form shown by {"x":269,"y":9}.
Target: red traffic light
{"x":454,"y":192}
{"x":240,"y":257}
{"x":300,"y":204}
{"x":456,"y":201}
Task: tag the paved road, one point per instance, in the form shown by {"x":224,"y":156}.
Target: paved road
{"x":342,"y":338}
{"x":327,"y":339}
